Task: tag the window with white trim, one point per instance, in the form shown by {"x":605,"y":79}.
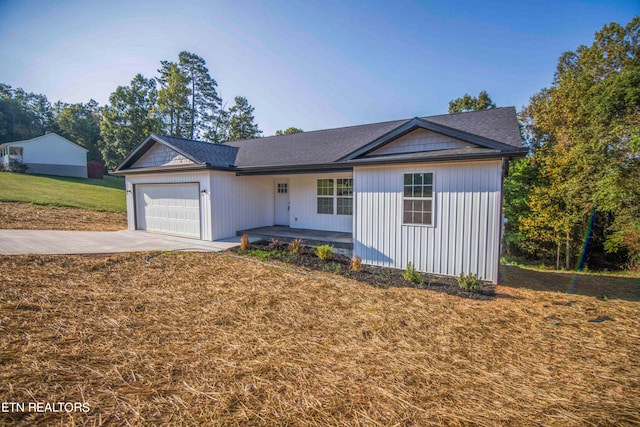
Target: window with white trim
{"x":336,"y":198}
{"x":418,"y":199}
{"x":344,"y":196}
{"x":325,"y":196}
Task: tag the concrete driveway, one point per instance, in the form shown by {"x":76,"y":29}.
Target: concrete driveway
{"x":14,"y":242}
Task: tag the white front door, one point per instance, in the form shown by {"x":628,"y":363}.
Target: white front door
{"x":282,"y":202}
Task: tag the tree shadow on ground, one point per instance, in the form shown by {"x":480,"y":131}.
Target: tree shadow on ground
{"x":108,"y":181}
{"x":593,"y":285}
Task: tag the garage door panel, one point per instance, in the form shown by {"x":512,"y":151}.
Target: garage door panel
{"x":168,"y":208}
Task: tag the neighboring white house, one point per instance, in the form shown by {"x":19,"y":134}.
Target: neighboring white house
{"x":48,"y":154}
{"x":424,"y":190}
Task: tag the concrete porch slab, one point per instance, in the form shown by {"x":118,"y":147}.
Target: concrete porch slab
{"x":337,"y":239}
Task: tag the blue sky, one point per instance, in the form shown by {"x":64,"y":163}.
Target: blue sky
{"x":309,"y":64}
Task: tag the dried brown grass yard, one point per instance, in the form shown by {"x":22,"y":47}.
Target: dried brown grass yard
{"x":27,"y":216}
{"x":197,"y":338}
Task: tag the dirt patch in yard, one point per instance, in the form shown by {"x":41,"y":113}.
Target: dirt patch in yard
{"x":27,"y":216}
{"x":206,"y":339}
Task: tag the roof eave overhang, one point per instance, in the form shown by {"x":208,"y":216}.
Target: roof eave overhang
{"x":294,"y":169}
{"x":418,"y":123}
{"x":176,"y":168}
{"x":347,"y":166}
{"x":438,"y":159}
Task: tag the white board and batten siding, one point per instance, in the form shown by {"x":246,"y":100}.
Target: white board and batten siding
{"x":303,"y":195}
{"x":240,"y":203}
{"x":465,"y":233}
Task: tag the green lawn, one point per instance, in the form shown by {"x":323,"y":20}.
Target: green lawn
{"x":93,"y":194}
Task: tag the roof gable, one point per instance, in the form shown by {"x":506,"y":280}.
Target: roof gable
{"x":50,"y":135}
{"x":418,"y":123}
{"x":161,"y":155}
{"x":192,"y":154}
{"x":419,"y":140}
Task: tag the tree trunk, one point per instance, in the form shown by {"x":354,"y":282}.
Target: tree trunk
{"x":193,"y":105}
{"x":568,"y":253}
{"x":558,"y":256}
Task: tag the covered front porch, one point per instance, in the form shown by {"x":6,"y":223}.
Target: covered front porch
{"x":337,"y":239}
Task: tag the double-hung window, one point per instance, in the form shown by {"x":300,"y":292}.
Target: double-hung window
{"x":344,"y":194}
{"x":325,"y":196}
{"x":335,"y":196}
{"x":418,"y":198}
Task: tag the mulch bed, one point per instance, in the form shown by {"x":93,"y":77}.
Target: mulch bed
{"x":379,"y":277}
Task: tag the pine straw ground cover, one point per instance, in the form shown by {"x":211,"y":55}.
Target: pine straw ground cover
{"x":27,"y":216}
{"x":198,"y":338}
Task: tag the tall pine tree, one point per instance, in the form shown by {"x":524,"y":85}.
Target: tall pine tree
{"x":204,"y":103}
{"x":173,"y":100}
{"x":241,"y":122}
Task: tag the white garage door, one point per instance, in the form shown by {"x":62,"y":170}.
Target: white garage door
{"x":168,"y":208}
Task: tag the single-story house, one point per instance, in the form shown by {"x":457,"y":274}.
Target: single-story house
{"x":426,"y":190}
{"x":49,"y":154}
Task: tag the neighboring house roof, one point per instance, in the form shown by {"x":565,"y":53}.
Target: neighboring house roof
{"x":40,"y":138}
{"x":490,"y":133}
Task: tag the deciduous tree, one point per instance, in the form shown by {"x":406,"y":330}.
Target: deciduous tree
{"x":80,"y":123}
{"x":128,"y":119}
{"x":585,"y":141}
{"x":288,"y":131}
{"x":24,"y":115}
{"x":471,"y":103}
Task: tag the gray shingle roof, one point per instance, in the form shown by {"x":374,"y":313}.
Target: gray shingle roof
{"x":498,"y":124}
{"x":216,"y":155}
{"x":315,"y":147}
{"x":331,"y":145}
{"x":328,"y":147}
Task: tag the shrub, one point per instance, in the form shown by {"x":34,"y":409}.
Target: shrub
{"x":275,"y":244}
{"x":295,"y":246}
{"x":245,"y":244}
{"x":412,"y":275}
{"x":469,"y":282}
{"x":356,"y":263}
{"x":260,"y":253}
{"x":324,"y":252}
{"x":337,"y":268}
{"x":332,"y":267}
